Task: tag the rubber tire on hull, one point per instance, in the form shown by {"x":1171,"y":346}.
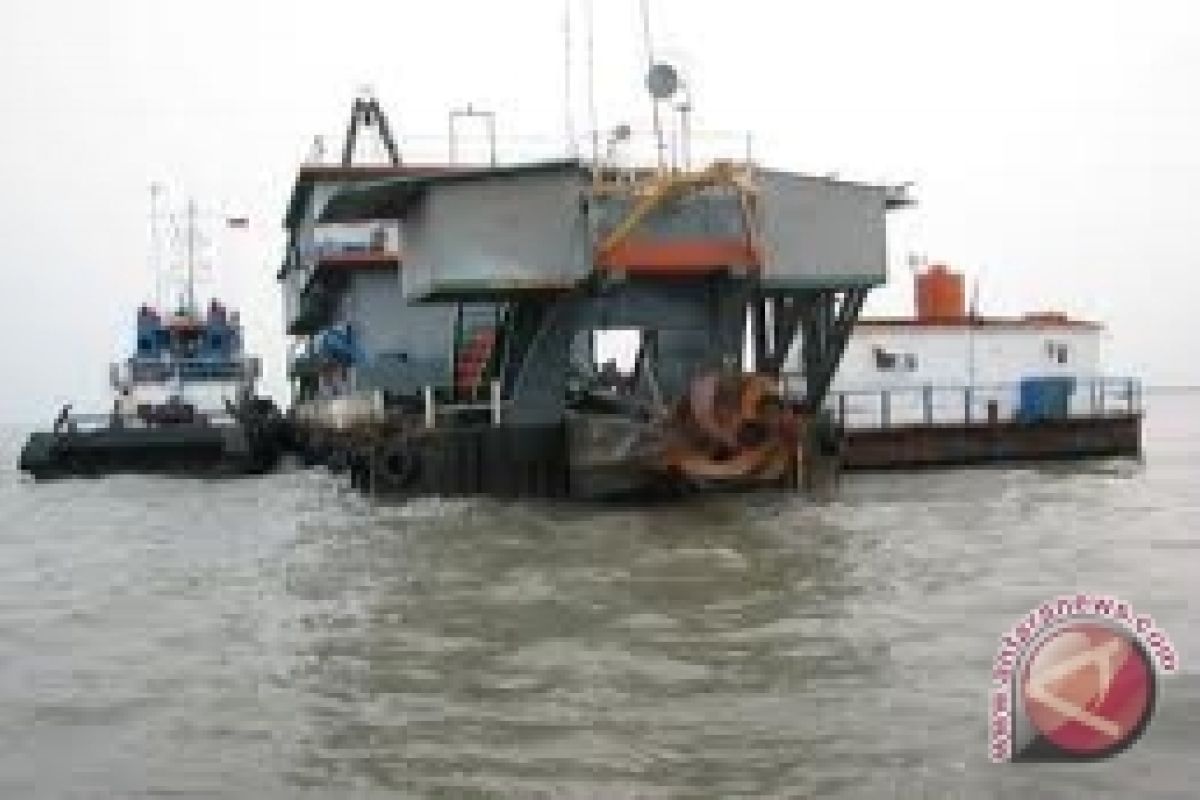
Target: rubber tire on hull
{"x":398,"y":466}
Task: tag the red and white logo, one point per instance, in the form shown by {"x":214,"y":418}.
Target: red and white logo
{"x":1076,"y":679}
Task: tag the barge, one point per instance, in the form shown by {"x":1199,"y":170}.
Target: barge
{"x":952,"y":386}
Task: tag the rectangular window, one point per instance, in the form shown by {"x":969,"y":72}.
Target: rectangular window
{"x":1058,"y":352}
{"x":894,"y":362}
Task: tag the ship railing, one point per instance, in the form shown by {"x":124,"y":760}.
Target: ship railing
{"x":143,"y":371}
{"x":69,"y":421}
{"x":931,"y":404}
{"x":435,"y":406}
{"x":618,"y":146}
{"x":436,"y":412}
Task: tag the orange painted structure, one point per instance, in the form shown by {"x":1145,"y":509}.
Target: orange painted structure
{"x":680,"y":256}
{"x":940,"y":294}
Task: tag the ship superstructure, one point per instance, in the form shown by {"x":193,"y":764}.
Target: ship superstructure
{"x":185,"y":359}
{"x":355,"y":340}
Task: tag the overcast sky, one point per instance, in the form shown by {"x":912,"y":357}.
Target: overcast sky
{"x":1054,"y":145}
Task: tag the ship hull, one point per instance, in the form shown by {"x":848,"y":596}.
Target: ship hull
{"x":197,"y":449}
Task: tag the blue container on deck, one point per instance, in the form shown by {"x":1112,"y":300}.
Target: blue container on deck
{"x":1045,"y":398}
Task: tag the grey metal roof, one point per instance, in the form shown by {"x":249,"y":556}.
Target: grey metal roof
{"x":391,"y":199}
{"x":310,"y":175}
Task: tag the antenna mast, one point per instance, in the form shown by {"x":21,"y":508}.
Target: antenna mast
{"x":568,"y":111}
{"x":156,"y":189}
{"x":659,"y":144}
{"x":190,"y":297}
{"x":593,"y":120}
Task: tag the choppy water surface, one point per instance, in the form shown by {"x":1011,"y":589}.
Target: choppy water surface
{"x":281,"y":637}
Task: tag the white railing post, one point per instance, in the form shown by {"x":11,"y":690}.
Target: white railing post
{"x":378,"y":406}
{"x":430,"y":409}
{"x":495,"y":401}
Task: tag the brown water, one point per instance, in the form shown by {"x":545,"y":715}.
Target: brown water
{"x":281,"y":637}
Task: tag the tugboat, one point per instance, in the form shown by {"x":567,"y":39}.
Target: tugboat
{"x":184,"y":402}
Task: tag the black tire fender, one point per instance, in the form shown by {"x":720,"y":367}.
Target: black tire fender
{"x":398,"y":465}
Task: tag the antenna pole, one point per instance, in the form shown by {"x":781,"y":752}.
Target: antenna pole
{"x":659,"y":144}
{"x":591,"y":80}
{"x":568,"y":112}
{"x":971,"y":321}
{"x":685,"y":128}
{"x":155,"y":244}
{"x":190,"y":297}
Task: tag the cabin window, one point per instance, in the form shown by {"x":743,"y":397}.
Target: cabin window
{"x":1058,"y":352}
{"x":886,"y":361}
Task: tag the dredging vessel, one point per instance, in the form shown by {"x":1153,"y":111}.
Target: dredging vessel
{"x":447,"y":316}
{"x":184,"y":402}
{"x":448,"y":321}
